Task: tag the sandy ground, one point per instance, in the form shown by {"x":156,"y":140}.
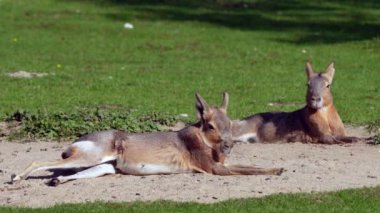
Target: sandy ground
{"x":310,"y":168}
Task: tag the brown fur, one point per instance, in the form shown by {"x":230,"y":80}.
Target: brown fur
{"x":310,"y":124}
{"x":201,"y":147}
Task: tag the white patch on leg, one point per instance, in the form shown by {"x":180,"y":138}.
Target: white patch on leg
{"x":249,"y":137}
{"x":91,"y":147}
{"x":86,"y":146}
{"x":92,"y":172}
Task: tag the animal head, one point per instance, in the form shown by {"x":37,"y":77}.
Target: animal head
{"x":319,"y":87}
{"x":216,"y":126}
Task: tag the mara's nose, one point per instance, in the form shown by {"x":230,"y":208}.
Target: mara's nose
{"x":316,"y":98}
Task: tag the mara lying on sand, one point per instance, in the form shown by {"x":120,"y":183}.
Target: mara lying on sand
{"x":317,"y":122}
{"x":201,"y":147}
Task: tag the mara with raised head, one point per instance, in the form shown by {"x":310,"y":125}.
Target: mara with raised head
{"x":317,"y":122}
{"x":201,"y":147}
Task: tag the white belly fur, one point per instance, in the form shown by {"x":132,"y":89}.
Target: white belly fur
{"x":149,"y":169}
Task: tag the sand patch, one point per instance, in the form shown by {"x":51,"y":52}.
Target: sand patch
{"x":310,"y":168}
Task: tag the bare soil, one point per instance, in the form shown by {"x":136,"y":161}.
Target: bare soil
{"x":26,"y":74}
{"x":309,"y":168}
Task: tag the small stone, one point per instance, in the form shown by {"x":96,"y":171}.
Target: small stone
{"x":43,"y":150}
{"x":28,"y":149}
{"x":128,"y":26}
{"x":215,"y":198}
{"x":137,"y":194}
{"x":184,"y":115}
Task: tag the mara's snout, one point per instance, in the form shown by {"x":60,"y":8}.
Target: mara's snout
{"x":316,"y":102}
{"x":226,"y":145}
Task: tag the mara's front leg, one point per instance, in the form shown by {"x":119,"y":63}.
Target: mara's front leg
{"x":220,"y":169}
{"x":331,"y":139}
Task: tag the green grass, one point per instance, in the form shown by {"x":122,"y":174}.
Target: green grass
{"x":257,"y":54}
{"x":373,"y":127}
{"x":359,"y":200}
{"x":61,"y":125}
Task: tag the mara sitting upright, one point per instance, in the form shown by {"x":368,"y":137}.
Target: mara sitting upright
{"x":317,"y":122}
{"x":201,"y":147}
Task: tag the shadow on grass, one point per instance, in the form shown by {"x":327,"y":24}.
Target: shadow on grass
{"x":310,"y":22}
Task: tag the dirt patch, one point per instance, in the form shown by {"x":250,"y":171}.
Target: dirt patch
{"x":310,"y":168}
{"x":7,"y":128}
{"x":26,"y":74}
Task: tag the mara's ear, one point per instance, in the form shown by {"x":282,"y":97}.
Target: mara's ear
{"x":201,"y":106}
{"x":329,"y":73}
{"x":225,"y":102}
{"x":309,"y":71}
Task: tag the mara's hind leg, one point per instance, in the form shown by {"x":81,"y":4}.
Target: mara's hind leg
{"x":71,"y":162}
{"x":80,"y":155}
{"x":92,"y":172}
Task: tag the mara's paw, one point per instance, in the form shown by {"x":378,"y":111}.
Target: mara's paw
{"x":53,"y":182}
{"x":356,"y":139}
{"x":279,"y":171}
{"x":370,"y":140}
{"x":15,"y":178}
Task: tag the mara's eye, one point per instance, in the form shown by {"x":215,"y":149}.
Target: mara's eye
{"x":328,"y":86}
{"x":210,"y":126}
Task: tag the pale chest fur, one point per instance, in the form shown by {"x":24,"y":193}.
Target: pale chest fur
{"x":327,"y":120}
